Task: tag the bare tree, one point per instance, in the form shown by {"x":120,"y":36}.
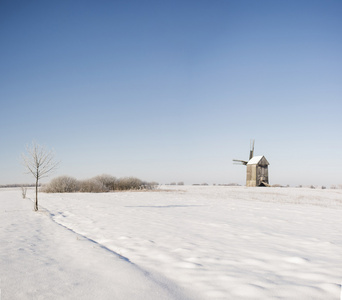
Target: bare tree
{"x":39,"y":162}
{"x":23,"y":191}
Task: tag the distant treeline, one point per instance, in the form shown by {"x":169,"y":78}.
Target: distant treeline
{"x":15,"y":185}
{"x":98,"y":184}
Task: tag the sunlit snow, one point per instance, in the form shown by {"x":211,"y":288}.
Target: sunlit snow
{"x":182,"y":242}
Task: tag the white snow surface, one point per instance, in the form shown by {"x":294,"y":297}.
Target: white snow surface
{"x":186,"y":242}
{"x":254,"y":160}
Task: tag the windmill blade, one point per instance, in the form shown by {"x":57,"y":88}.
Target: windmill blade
{"x":240,"y":162}
{"x":251,"y":151}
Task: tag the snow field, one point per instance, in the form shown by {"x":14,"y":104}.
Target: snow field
{"x":193,"y":242}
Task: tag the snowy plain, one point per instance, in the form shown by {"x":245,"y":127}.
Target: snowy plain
{"x":183,"y":242}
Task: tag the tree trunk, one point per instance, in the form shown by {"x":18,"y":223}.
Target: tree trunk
{"x":36,"y":202}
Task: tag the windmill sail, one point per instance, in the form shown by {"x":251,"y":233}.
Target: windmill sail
{"x":251,"y":151}
{"x":240,"y":162}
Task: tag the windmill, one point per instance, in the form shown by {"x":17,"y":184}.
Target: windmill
{"x":257,"y":168}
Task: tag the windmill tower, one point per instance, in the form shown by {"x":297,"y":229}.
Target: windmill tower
{"x":257,"y":168}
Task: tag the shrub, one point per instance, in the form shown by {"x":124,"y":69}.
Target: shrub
{"x":149,"y":185}
{"x":153,"y":184}
{"x":98,"y":184}
{"x":129,"y":183}
{"x":109,"y":182}
{"x":92,"y":186}
{"x":62,"y":184}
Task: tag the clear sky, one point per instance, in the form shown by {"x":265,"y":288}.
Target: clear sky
{"x":173,"y":90}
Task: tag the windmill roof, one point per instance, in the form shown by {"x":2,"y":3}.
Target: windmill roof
{"x":256,"y":160}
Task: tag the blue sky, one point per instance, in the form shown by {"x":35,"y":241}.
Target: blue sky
{"x":173,"y":90}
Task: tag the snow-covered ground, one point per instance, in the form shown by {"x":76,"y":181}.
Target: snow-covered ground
{"x":181,"y":243}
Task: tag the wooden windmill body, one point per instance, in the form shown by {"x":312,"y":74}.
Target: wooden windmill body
{"x":257,"y":169}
